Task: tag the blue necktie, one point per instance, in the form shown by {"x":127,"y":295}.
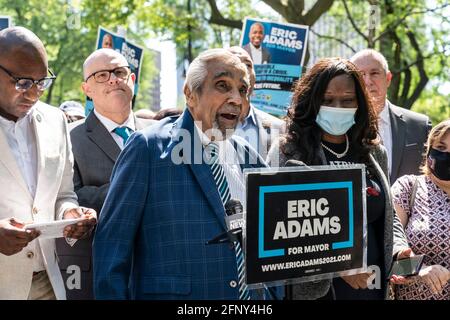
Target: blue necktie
{"x":123,"y":132}
{"x":224,"y":191}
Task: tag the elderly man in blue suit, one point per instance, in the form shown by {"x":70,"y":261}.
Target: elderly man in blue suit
{"x":164,"y":203}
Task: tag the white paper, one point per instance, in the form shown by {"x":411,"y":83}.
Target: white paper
{"x":52,"y":229}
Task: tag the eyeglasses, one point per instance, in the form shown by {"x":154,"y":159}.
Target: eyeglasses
{"x":24,"y":84}
{"x":104,"y":75}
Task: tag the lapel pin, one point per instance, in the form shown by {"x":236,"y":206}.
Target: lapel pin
{"x":38,"y":117}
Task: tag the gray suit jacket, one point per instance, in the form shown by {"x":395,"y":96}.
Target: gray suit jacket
{"x":266,"y":56}
{"x":394,"y":235}
{"x":409,"y":135}
{"x":95,"y":153}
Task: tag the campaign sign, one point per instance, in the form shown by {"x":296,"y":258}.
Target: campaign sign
{"x":5,"y":22}
{"x":304,"y":225}
{"x":278,"y":52}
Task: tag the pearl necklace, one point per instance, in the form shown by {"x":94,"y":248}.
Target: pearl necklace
{"x":338,"y":155}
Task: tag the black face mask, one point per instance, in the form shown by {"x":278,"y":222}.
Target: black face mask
{"x":441,"y":160}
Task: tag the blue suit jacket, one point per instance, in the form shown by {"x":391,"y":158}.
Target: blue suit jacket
{"x":158,"y":215}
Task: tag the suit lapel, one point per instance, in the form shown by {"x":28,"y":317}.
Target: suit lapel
{"x":98,"y":134}
{"x":200,"y":170}
{"x":39,"y":132}
{"x":398,"y":127}
{"x":10,"y":163}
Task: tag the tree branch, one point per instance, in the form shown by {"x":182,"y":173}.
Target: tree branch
{"x":333,"y":38}
{"x":280,"y":8}
{"x":410,"y":13}
{"x":349,"y":16}
{"x":218,"y":18}
{"x":396,"y":74}
{"x":316,"y":11}
{"x":420,"y":66}
{"x":406,"y":86}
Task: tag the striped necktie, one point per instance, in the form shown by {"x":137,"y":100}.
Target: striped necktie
{"x":224,"y":192}
{"x":123,"y":132}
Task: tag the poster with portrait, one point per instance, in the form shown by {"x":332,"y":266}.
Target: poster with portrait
{"x":278,"y":52}
{"x":132,"y":52}
{"x":304,"y":224}
{"x":5,"y":22}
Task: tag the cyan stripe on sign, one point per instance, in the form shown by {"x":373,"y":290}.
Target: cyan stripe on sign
{"x":303,"y":187}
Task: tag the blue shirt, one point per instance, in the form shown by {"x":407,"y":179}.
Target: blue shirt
{"x":248,"y":129}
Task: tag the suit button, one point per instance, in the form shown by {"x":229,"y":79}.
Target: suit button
{"x":30,"y":254}
{"x":35,"y":210}
{"x":233,"y":284}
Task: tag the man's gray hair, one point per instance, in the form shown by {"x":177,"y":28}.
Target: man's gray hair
{"x":198,"y":69}
{"x":371,"y":53}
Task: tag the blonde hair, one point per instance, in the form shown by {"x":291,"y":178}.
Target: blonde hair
{"x":436,"y":134}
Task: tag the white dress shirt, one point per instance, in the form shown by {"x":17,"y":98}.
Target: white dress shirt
{"x":384,"y":124}
{"x":256,"y":54}
{"x":111,"y":125}
{"x":21,"y":139}
{"x":229,"y":160}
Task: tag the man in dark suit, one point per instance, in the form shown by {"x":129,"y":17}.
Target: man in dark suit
{"x":259,"y":128}
{"x":402,"y":132}
{"x":164,"y":203}
{"x":255,"y":49}
{"x":96,"y":144}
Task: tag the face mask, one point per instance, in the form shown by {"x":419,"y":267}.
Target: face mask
{"x":336,"y":121}
{"x":439,"y":164}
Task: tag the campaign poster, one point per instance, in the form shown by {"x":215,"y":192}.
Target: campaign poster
{"x":278,"y":52}
{"x":132,"y":52}
{"x":5,"y":22}
{"x":304,"y":225}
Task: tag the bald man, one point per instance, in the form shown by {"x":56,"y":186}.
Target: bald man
{"x":96,"y":144}
{"x":35,"y":172}
{"x":257,"y":52}
{"x":403,"y":132}
{"x":259,"y":128}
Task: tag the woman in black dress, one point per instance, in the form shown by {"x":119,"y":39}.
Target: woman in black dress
{"x":332,"y":122}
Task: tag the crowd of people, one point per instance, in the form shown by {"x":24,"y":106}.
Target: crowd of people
{"x":150,"y":190}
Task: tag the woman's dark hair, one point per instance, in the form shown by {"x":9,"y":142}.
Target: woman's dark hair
{"x":303,"y":137}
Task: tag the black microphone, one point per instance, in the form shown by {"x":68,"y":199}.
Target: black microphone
{"x":235,"y":214}
{"x":297,"y":163}
{"x":234,"y":221}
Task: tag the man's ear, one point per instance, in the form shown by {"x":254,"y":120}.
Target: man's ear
{"x":86,"y":89}
{"x":190,"y":97}
{"x":388,"y":78}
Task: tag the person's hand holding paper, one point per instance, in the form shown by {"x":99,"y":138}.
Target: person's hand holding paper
{"x":13,"y":236}
{"x":83,"y":227}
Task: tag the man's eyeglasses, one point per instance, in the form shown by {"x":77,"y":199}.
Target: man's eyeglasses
{"x":104,"y":75}
{"x":24,"y":84}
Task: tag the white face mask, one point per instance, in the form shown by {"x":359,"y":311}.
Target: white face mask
{"x":336,"y":121}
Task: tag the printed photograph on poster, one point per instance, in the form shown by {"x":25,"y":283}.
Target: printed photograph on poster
{"x":304,"y":225}
{"x":5,"y":22}
{"x":278,"y":52}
